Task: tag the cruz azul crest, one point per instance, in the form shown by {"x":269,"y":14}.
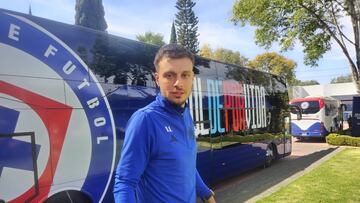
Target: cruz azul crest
{"x":45,"y":88}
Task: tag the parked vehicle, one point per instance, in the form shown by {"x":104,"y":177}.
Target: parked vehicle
{"x":67,"y":92}
{"x":320,"y":116}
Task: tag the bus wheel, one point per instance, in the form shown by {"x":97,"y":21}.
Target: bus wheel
{"x":270,"y":155}
{"x":69,"y":196}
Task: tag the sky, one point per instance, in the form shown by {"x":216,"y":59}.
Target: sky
{"x":128,"y":18}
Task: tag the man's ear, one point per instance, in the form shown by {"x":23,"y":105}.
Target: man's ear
{"x":156,"y":76}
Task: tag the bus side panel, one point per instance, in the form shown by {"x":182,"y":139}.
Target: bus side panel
{"x":233,"y":160}
{"x":35,"y":113}
{"x":59,"y":108}
{"x":204,"y":164}
{"x":122,"y":69}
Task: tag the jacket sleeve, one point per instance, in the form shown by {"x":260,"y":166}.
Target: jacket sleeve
{"x":201,"y":189}
{"x":134,"y":158}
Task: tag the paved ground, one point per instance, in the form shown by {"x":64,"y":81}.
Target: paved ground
{"x":247,"y":186}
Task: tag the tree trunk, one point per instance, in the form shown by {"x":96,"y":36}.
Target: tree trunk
{"x":357,"y":13}
{"x":357,"y":84}
{"x":354,"y":12}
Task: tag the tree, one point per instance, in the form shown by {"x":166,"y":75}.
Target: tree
{"x":341,"y":79}
{"x":229,"y":56}
{"x":102,"y":58}
{"x":30,"y":12}
{"x":151,"y":38}
{"x":305,"y":82}
{"x":186,"y":24}
{"x":105,"y":61}
{"x":224,"y":55}
{"x":206,"y":51}
{"x":90,"y":13}
{"x":173,"y":39}
{"x":276,"y":64}
{"x":311,"y":22}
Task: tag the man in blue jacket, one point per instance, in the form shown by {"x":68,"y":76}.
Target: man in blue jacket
{"x":158,"y":158}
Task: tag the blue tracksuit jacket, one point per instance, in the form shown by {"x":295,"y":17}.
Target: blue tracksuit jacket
{"x":158,"y":158}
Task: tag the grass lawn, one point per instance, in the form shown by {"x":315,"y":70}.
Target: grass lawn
{"x":336,"y":180}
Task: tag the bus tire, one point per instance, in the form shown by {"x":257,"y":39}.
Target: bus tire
{"x":270,"y":155}
{"x":69,"y":196}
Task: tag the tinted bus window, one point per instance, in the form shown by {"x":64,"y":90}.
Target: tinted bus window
{"x":308,"y":107}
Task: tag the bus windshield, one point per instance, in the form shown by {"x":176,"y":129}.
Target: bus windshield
{"x":307,"y":107}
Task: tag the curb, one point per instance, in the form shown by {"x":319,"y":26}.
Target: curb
{"x":293,"y":177}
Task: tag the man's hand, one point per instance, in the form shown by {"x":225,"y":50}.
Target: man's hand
{"x":211,"y":200}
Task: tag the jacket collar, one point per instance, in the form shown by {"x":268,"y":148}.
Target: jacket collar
{"x":168,"y":106}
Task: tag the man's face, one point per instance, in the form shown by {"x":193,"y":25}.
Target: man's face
{"x":175,"y":78}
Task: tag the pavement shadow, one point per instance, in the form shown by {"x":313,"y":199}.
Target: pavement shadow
{"x":248,"y":185}
{"x":311,"y":140}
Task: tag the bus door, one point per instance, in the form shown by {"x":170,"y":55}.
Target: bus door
{"x":18,"y":151}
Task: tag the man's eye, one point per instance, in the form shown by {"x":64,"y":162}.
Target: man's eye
{"x":168,"y":75}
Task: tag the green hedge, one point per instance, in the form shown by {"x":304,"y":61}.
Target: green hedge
{"x":242,"y":138}
{"x":336,"y":139}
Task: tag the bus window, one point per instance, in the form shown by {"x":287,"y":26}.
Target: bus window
{"x":308,"y":107}
{"x":327,"y":109}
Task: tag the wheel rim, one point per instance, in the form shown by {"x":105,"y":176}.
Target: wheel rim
{"x":269,"y":155}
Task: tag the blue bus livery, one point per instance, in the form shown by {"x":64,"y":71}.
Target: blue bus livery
{"x":67,"y":92}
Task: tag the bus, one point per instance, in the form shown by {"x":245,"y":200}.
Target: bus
{"x":320,"y":116}
{"x":67,"y":92}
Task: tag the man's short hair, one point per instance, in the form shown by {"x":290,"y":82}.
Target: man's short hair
{"x":173,"y":51}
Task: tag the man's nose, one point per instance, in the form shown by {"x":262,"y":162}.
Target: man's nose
{"x":178,"y":83}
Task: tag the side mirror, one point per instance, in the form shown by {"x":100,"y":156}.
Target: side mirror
{"x":295,"y":109}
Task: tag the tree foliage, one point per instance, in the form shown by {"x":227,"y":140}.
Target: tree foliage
{"x":276,"y":64}
{"x":151,"y":38}
{"x":173,"y":38}
{"x":313,"y":23}
{"x":305,"y":82}
{"x":105,"y":61}
{"x":186,"y":24}
{"x":341,"y":79}
{"x":90,"y":13}
{"x":206,"y":51}
{"x":230,"y":56}
{"x":224,"y":55}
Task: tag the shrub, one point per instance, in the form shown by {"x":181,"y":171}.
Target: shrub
{"x":243,"y":138}
{"x":336,"y":139}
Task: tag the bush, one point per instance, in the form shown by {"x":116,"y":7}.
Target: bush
{"x":243,"y":138}
{"x":336,"y":139}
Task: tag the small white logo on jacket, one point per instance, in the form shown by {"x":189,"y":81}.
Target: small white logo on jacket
{"x":168,"y":129}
